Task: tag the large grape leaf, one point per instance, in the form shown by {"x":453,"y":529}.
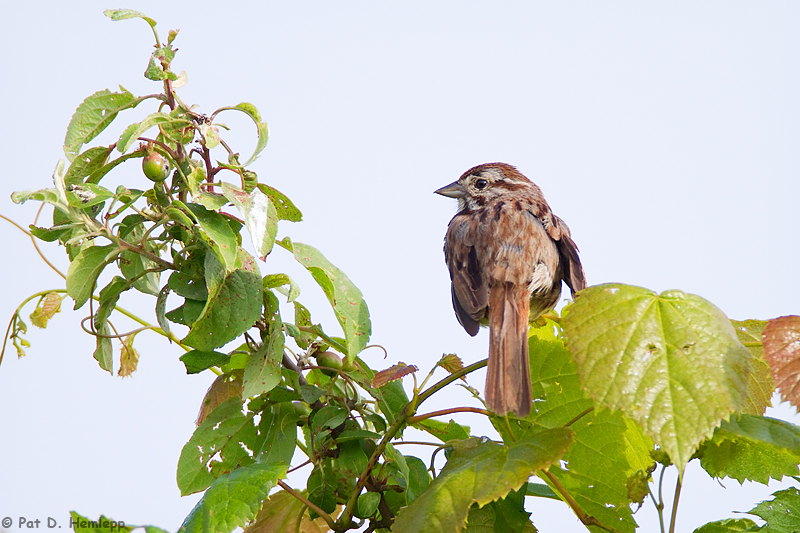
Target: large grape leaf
{"x":731,"y":525}
{"x":603,"y":454}
{"x":782,"y":352}
{"x":345,"y":298}
{"x":782,"y":513}
{"x":671,"y":362}
{"x":479,"y":472}
{"x":760,"y":386}
{"x":755,"y":448}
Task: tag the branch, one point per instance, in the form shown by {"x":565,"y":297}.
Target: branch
{"x":344,"y":521}
{"x":675,"y":503}
{"x":443,"y":412}
{"x":325,"y":516}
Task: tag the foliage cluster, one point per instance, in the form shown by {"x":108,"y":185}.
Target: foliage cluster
{"x":626,"y":383}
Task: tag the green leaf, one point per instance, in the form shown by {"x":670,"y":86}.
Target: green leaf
{"x":760,"y":385}
{"x":86,"y":163}
{"x":595,"y":468}
{"x":285,"y":208}
{"x":479,"y":472}
{"x":93,"y":116}
{"x":263,"y":132}
{"x":782,"y":513}
{"x":234,"y":499}
{"x":541,"y":490}
{"x":219,"y":231}
{"x":263,"y":370}
{"x":279,"y":427}
{"x":87,"y":195}
{"x":104,"y":352}
{"x":672,"y":362}
{"x":161,"y":309}
{"x":345,"y":298}
{"x":260,"y":217}
{"x":278,"y":281}
{"x":233,"y":306}
{"x":506,"y":515}
{"x":108,"y":300}
{"x":367,"y":504}
{"x":731,"y":525}
{"x":135,"y":130}
{"x":445,"y":432}
{"x":84,"y":270}
{"x":122,"y":14}
{"x":197,"y":360}
{"x":133,"y":266}
{"x":754,"y":448}
{"x":159,"y":60}
{"x":226,"y":431}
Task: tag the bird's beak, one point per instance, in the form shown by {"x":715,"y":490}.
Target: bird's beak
{"x":454,"y":190}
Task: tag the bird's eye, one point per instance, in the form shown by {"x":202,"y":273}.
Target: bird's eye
{"x":481,"y":184}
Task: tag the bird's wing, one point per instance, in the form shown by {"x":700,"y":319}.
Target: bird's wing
{"x":469,"y":287}
{"x":568,"y":252}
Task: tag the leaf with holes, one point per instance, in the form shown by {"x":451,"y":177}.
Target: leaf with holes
{"x":260,"y":217}
{"x":263,"y":131}
{"x":233,"y":499}
{"x":671,"y":362}
{"x":217,"y":446}
{"x":782,"y":513}
{"x":93,"y":116}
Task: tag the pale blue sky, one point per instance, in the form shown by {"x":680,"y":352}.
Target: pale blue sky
{"x":665,"y":135}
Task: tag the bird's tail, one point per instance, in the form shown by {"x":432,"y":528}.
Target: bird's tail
{"x":508,"y":380}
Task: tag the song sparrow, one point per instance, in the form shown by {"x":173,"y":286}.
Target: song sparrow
{"x":507,"y":254}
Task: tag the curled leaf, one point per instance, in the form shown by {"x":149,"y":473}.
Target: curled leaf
{"x":393,"y":373}
{"x":46,"y":309}
{"x":128,"y":357}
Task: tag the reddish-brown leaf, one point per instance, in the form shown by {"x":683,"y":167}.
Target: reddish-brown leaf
{"x":392,"y":373}
{"x":782,"y":352}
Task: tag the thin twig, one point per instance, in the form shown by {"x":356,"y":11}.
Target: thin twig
{"x":444,"y":412}
{"x":586,"y":412}
{"x":675,"y":503}
{"x":325,"y":516}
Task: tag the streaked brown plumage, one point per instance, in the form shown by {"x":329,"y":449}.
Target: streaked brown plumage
{"x":507,"y":254}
